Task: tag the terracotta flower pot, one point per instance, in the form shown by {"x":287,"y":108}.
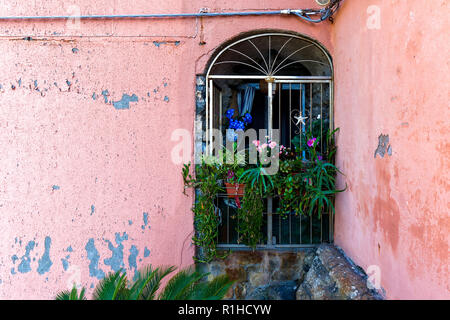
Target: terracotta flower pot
{"x":235,"y":190}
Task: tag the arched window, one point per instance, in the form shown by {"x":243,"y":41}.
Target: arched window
{"x":285,"y":82}
{"x":272,"y":55}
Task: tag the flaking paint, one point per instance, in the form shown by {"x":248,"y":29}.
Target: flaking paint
{"x":393,"y":214}
{"x":394,"y":81}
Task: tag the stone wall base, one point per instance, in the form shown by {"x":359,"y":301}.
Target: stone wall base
{"x":322,"y":273}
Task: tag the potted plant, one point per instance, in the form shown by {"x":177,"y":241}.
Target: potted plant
{"x":311,"y":189}
{"x":233,"y":187}
{"x":259,"y":183}
{"x":258,"y":177}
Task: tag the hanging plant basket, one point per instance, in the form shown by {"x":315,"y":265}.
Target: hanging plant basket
{"x":235,"y":190}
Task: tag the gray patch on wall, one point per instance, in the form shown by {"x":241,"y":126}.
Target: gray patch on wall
{"x":383,"y":146}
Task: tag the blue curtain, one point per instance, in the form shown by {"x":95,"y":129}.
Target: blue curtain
{"x":245,"y":103}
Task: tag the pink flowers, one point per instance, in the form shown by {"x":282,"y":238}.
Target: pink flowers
{"x":230,"y":175}
{"x":260,"y":147}
{"x":311,"y":142}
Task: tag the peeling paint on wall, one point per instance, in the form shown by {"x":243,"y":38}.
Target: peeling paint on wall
{"x":132,"y":264}
{"x":124,"y":103}
{"x":25,"y":265}
{"x":145,"y":218}
{"x":45,"y":262}
{"x":105,"y":95}
{"x":116,"y":259}
{"x":383,"y":146}
{"x":94,"y":257}
{"x":65,"y":262}
{"x":159,"y":43}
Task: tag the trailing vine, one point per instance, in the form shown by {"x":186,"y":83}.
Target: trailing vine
{"x":250,"y":217}
{"x":206,"y":218}
{"x":305,"y":184}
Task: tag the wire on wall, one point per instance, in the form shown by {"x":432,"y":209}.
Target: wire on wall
{"x":309,"y":15}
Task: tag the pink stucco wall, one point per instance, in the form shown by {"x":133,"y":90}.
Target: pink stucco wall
{"x":393,"y":80}
{"x":84,"y":187}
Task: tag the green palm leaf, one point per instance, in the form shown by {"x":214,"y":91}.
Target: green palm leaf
{"x":72,"y":295}
{"x":187,"y":284}
{"x":148,"y":282}
{"x":111,"y":287}
{"x":215,"y":289}
{"x":181,"y":285}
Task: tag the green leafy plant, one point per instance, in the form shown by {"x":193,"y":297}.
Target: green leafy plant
{"x":250,"y":217}
{"x":289,"y":185}
{"x":311,"y":190}
{"x":206,"y":218}
{"x":258,"y":178}
{"x":72,"y":294}
{"x":187,"y":284}
{"x":305,"y":184}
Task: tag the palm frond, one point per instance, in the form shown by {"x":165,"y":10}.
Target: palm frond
{"x":187,"y":284}
{"x":148,"y":282}
{"x":72,"y":294}
{"x":111,"y":287}
{"x":63,"y":295}
{"x":216,"y":289}
{"x":181,"y":286}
